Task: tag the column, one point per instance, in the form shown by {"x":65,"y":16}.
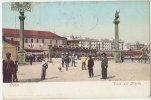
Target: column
{"x":21,"y":52}
{"x":117,"y":54}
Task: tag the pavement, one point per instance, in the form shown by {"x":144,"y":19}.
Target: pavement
{"x":127,"y":71}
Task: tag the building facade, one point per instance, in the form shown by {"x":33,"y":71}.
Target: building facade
{"x":11,"y":47}
{"x":100,"y":45}
{"x":135,"y":46}
{"x":109,"y":44}
{"x":35,"y":39}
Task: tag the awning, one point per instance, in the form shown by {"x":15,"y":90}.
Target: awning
{"x":34,"y":50}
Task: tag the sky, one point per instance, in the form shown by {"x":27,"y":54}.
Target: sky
{"x":86,"y":19}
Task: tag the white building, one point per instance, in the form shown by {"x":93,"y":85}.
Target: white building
{"x":102,"y":44}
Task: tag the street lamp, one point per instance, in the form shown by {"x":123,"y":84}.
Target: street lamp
{"x":21,"y":7}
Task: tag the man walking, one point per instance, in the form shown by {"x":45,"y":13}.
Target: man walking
{"x":104,"y":66}
{"x":90,"y":66}
{"x":83,"y":59}
{"x":8,"y":65}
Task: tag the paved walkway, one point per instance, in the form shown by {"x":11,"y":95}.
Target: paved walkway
{"x":116,"y":72}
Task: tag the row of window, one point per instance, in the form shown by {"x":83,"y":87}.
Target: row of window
{"x":28,"y":40}
{"x":100,"y":45}
{"x":37,"y":41}
{"x":109,"y":43}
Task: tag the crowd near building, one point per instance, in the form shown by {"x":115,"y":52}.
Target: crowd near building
{"x":46,"y":42}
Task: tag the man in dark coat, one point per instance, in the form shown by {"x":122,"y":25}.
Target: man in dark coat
{"x":8,"y":65}
{"x":31,"y":59}
{"x":67,"y":61}
{"x":15,"y":69}
{"x":90,"y":66}
{"x":122,"y":58}
{"x":104,"y":66}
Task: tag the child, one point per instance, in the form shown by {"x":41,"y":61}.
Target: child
{"x":44,"y":68}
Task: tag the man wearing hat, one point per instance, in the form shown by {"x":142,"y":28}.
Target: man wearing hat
{"x":15,"y":69}
{"x":67,"y":61}
{"x":90,"y":66}
{"x":104,"y":66}
{"x":8,"y":65}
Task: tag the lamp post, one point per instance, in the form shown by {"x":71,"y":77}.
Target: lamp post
{"x":21,"y":7}
{"x":117,"y":54}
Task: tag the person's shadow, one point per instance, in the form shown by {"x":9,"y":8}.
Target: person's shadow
{"x":30,"y":80}
{"x":110,"y":77}
{"x":51,"y":78}
{"x":96,"y":75}
{"x":107,"y":77}
{"x":34,"y":80}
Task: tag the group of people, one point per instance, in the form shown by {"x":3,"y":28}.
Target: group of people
{"x":104,"y":65}
{"x":9,"y":69}
{"x":33,"y":58}
{"x":65,"y":59}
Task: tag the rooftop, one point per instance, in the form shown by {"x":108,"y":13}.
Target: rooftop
{"x":11,"y":41}
{"x":30,"y":33}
